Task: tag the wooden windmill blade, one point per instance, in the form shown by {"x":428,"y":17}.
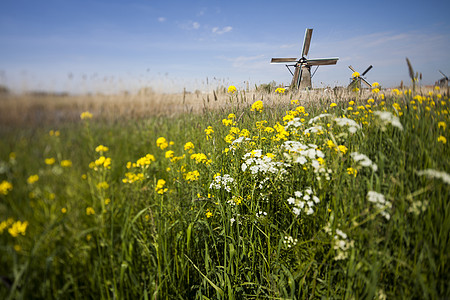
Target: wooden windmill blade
{"x":367,"y":70}
{"x":283,"y":60}
{"x":445,"y":76}
{"x":322,"y":61}
{"x":366,"y":82}
{"x":351,"y":68}
{"x":307,"y":41}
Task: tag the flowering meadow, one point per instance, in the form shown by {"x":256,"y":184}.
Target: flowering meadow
{"x":344,"y":200}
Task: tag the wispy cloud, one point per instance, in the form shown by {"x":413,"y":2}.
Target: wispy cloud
{"x":161,"y":19}
{"x":217,"y":30}
{"x":190,"y":25}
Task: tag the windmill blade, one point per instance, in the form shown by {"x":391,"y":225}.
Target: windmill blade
{"x":367,"y":70}
{"x":443,"y":74}
{"x":283,"y":60}
{"x":366,"y":82}
{"x":307,"y":41}
{"x":351,"y":68}
{"x":322,"y":61}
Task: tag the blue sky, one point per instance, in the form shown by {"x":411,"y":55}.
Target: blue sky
{"x":101,"y":45}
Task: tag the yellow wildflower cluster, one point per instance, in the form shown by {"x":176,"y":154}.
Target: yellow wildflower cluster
{"x":90,"y":211}
{"x":232,"y":89}
{"x":131,"y":177}
{"x":102,"y":185}
{"x":54,"y":133}
{"x":5,"y":224}
{"x":102,"y":162}
{"x":201,"y":158}
{"x":5,"y":187}
{"x":86,"y":115}
{"x":65,"y":163}
{"x":49,"y":161}
{"x":101,"y":149}
{"x":32,"y":179}
{"x":18,"y":228}
{"x":208,"y":213}
{"x":352,"y":171}
{"x":160,"y":187}
{"x":209,"y":131}
{"x":189,"y":146}
{"x":280,"y":90}
{"x":162,"y":143}
{"x":282,"y":134}
{"x":191,"y":176}
{"x":257,"y":106}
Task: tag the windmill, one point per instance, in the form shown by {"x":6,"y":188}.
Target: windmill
{"x":301,"y":78}
{"x":356,"y":80}
{"x":443,"y":82}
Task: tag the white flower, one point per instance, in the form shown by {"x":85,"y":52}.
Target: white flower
{"x":232,"y":220}
{"x":298,"y":194}
{"x":291,"y":200}
{"x":435,"y":174}
{"x":363,"y":160}
{"x":352,"y":125}
{"x":318,"y":117}
{"x":387,"y":117}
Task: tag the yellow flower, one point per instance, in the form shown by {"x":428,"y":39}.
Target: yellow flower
{"x":295,"y":101}
{"x":258,"y":106}
{"x":18,"y":228}
{"x":442,"y":139}
{"x":355,"y":74}
{"x":209,"y":131}
{"x":442,"y":124}
{"x":352,"y":171}
{"x":349,"y":108}
{"x":131,"y":177}
{"x":333,"y":105}
{"x":162,"y":143}
{"x":160,"y":187}
{"x":376,"y":90}
{"x":280,"y":90}
{"x":66,"y":163}
{"x":32,"y":179}
{"x":330,"y":144}
{"x":231,"y":89}
{"x":102,"y":185}
{"x":227,"y":122}
{"x":101,"y":148}
{"x":343,"y":149}
{"x":351,"y":103}
{"x":90,"y":211}
{"x":188,"y":146}
{"x":375,"y":84}
{"x":49,"y":161}
{"x":437,"y":88}
{"x":231,"y":116}
{"x":5,"y":187}
{"x":192,"y":176}
{"x":208,"y":214}
{"x":86,"y":115}
{"x":169,"y":154}
{"x":370,"y":100}
{"x":63,"y":210}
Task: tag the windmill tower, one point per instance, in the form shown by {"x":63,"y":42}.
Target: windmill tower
{"x":443,"y":82}
{"x":301,"y":78}
{"x":356,"y":80}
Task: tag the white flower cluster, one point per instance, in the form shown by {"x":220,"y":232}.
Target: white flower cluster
{"x":352,"y":125}
{"x":418,"y":207}
{"x":313,"y":129}
{"x":389,"y":118}
{"x":342,"y":244}
{"x":303,"y":202}
{"x":237,"y":141}
{"x":315,"y":119}
{"x":363,"y":160}
{"x":296,"y":152}
{"x":222,"y":181}
{"x":261,"y":214}
{"x":258,"y":163}
{"x":295,"y":122}
{"x":380,"y":202}
{"x":289,"y":241}
{"x":435,"y":174}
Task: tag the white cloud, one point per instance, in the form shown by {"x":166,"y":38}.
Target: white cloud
{"x":190,"y":25}
{"x":225,"y":29}
{"x":195,"y":25}
{"x":161,"y":19}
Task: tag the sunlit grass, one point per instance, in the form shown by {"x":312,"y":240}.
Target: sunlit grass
{"x":270,"y":196}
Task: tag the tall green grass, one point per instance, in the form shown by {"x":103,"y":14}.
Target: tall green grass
{"x":92,"y":234}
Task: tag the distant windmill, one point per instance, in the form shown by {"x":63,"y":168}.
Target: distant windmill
{"x":302,"y":74}
{"x":443,"y":82}
{"x":356,"y":81}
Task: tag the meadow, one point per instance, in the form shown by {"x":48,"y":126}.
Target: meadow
{"x":232,"y":195}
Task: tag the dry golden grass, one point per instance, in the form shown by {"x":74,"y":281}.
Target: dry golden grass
{"x":32,"y":110}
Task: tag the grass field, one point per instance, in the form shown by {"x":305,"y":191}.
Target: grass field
{"x":243,"y":195}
